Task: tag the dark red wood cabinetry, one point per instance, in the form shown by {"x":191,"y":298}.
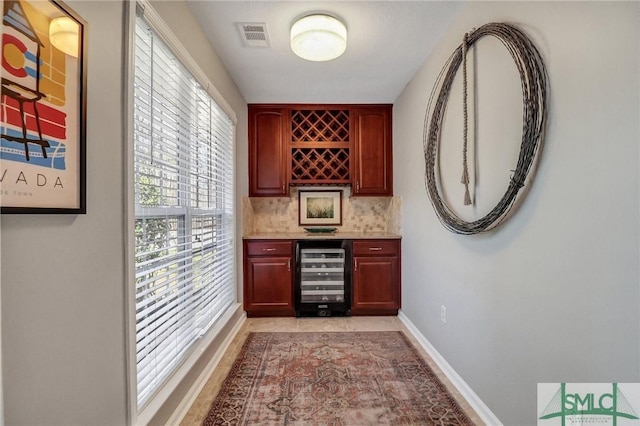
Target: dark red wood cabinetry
{"x":376,"y":277}
{"x":268,"y":142}
{"x":372,"y":154}
{"x":314,"y":144}
{"x":268,"y":278}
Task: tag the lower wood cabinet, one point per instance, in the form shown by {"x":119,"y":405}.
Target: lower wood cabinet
{"x":268,"y":278}
{"x":376,"y":277}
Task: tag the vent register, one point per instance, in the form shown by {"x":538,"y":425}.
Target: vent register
{"x":254,"y":34}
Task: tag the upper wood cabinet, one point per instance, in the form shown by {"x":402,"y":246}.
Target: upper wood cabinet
{"x":372,"y":153}
{"x":316,"y":144}
{"x":269,"y":136}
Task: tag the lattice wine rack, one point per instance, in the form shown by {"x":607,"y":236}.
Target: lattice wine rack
{"x":319,"y":146}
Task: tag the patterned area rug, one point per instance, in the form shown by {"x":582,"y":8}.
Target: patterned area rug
{"x":336,"y":378}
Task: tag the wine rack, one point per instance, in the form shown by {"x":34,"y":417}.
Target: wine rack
{"x":320,"y":126}
{"x":320,"y":146}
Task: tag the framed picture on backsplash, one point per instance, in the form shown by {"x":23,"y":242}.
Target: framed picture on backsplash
{"x":320,"y":207}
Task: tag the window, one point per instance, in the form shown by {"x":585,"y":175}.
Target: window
{"x":184,"y":229}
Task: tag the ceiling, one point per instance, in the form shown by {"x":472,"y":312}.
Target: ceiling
{"x":386,"y":44}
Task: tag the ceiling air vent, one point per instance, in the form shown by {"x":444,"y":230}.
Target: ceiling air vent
{"x":254,"y":34}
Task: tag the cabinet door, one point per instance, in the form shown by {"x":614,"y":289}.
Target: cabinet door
{"x":269,"y":286}
{"x":268,"y":136}
{"x":376,"y":288}
{"x":373,"y":163}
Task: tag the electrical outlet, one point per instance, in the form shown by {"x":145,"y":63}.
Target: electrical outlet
{"x":443,"y":314}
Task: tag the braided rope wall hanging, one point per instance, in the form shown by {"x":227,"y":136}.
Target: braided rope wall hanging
{"x":533,"y":77}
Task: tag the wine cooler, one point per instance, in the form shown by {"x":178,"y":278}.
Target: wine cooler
{"x":323,"y":278}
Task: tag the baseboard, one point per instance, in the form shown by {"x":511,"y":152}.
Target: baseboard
{"x":189,"y":399}
{"x":467,"y":393}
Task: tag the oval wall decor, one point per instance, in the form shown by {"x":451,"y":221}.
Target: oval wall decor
{"x":533,"y":77}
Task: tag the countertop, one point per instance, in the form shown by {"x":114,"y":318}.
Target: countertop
{"x":321,"y":236}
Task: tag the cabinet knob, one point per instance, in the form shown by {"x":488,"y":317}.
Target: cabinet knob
{"x":269,"y":249}
{"x":289,"y":265}
{"x":375,"y":248}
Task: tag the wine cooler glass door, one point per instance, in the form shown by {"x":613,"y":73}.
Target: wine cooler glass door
{"x":322,"y":275}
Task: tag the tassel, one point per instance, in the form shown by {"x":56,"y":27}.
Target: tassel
{"x":465,"y":176}
{"x":465,"y":182}
{"x":467,"y":196}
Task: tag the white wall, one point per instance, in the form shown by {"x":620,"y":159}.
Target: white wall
{"x":64,"y":347}
{"x":552,"y":295}
{"x":63,"y":312}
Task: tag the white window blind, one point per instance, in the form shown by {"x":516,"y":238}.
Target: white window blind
{"x":183,"y":168}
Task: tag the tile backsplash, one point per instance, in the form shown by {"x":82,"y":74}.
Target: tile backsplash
{"x":359,"y":214}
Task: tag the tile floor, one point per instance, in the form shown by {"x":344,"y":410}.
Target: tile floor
{"x":200,"y":408}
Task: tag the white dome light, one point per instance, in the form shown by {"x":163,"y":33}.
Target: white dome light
{"x":318,"y":38}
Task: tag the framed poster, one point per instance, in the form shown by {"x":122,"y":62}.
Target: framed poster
{"x":321,"y":207}
{"x":43,"y":111}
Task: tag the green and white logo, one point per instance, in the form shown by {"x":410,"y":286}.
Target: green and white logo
{"x":577,"y":404}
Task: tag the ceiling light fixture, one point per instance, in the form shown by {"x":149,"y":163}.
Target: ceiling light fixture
{"x":318,"y":37}
{"x":63,"y":33}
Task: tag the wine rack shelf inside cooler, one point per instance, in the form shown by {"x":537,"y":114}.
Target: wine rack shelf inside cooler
{"x":322,"y":275}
